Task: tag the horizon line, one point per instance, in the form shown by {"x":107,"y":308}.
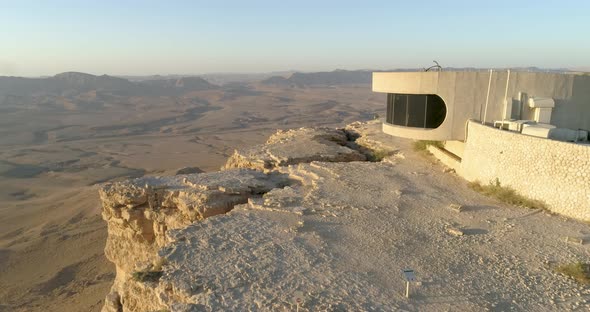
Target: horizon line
{"x":541,"y":69}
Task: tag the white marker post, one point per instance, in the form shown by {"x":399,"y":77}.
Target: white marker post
{"x":298,"y":298}
{"x":409,"y":276}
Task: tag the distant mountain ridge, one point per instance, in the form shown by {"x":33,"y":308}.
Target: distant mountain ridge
{"x":337,"y":77}
{"x":89,"y":82}
{"x":77,"y":82}
{"x":184,"y":83}
{"x":68,"y":83}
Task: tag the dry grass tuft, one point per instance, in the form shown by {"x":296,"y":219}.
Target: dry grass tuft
{"x":579,"y":271}
{"x":506,"y":195}
{"x":151,"y":275}
{"x":422,"y":145}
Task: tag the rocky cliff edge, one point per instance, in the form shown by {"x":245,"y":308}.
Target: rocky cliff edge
{"x":304,"y":221}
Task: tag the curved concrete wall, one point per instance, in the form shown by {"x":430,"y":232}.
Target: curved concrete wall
{"x":438,"y":134}
{"x":465,"y":92}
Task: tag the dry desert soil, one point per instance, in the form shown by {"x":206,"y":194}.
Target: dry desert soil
{"x":55,"y":149}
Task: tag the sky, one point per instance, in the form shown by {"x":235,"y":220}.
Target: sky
{"x":195,"y":37}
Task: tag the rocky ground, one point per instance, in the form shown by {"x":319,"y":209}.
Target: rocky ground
{"x":335,"y":231}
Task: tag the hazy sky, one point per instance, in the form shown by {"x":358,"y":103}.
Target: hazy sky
{"x":192,"y":37}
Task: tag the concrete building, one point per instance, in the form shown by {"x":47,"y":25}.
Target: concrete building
{"x":437,"y":105}
{"x":527,"y":130}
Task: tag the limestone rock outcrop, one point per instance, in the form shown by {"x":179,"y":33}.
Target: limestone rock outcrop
{"x":297,"y":146}
{"x":140,"y":212}
{"x":152,"y":221}
{"x":217,"y":264}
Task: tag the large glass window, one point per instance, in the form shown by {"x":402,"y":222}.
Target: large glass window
{"x":426,"y":111}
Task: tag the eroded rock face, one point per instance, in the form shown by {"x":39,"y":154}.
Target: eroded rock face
{"x":139,"y":213}
{"x":369,"y":140}
{"x":339,"y":233}
{"x":267,"y":242}
{"x":297,"y":146}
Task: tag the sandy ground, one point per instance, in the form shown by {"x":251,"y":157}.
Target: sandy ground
{"x":52,"y":156}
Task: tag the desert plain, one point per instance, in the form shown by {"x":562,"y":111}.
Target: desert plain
{"x":57,"y":146}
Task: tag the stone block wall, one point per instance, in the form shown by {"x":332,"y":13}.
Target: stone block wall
{"x":555,"y":172}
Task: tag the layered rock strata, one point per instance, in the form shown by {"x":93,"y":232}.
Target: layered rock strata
{"x":140,"y":212}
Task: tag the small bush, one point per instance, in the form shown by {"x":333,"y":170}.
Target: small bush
{"x":506,"y":194}
{"x":579,"y":271}
{"x":422,"y":145}
{"x":147,"y":276}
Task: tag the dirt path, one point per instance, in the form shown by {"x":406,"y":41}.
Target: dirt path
{"x":505,"y":260}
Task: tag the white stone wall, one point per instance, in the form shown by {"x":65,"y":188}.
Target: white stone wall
{"x":557,"y":173}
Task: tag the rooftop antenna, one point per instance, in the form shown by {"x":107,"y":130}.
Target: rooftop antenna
{"x":437,"y":67}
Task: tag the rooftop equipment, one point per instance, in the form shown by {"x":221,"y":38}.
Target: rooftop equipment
{"x":542,"y":108}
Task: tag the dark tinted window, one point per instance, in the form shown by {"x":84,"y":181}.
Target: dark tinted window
{"x":400,"y":106}
{"x":416,"y":110}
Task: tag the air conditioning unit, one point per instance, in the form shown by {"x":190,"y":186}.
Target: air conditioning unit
{"x":542,"y":108}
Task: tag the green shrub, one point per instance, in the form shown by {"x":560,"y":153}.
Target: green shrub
{"x":506,"y":194}
{"x":579,"y":271}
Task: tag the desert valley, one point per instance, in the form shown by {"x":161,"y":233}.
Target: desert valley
{"x":63,"y":135}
